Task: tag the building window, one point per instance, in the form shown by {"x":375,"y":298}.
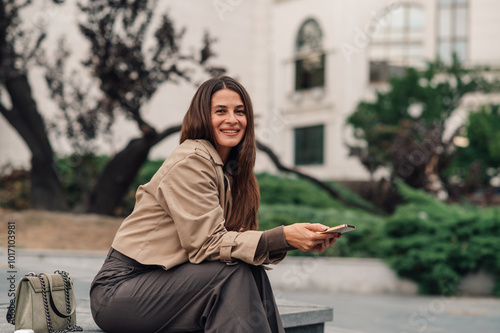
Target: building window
{"x":309,"y":146}
{"x":452,"y":26}
{"x":309,"y":57}
{"x":397,"y":43}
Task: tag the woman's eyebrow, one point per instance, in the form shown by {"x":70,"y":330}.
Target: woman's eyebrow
{"x":225,"y":107}
{"x":219,"y":106}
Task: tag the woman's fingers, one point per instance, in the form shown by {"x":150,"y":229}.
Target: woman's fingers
{"x":307,"y":237}
{"x":321,"y":247}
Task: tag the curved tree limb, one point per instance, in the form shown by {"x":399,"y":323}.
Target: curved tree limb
{"x":274,"y":158}
{"x":120,"y":172}
{"x":167,"y":132}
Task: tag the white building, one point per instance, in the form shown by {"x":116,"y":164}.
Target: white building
{"x":306,"y":64}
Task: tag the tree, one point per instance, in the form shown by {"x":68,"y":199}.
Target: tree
{"x":477,"y":158}
{"x":124,"y":75}
{"x":128,"y":75}
{"x":19,"y":47}
{"x":403,"y":129}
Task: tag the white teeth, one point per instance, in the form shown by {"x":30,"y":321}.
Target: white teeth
{"x":223,"y":131}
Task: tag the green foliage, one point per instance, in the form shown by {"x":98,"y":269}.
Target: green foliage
{"x":283,"y":189}
{"x":483,"y":133}
{"x":78,"y":174}
{"x":359,"y":243}
{"x":286,"y":200}
{"x":402,"y":129}
{"x":14,"y":189}
{"x":292,"y":191}
{"x":437,"y":244}
{"x":352,"y":197}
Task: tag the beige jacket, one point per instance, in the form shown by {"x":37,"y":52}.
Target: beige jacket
{"x":179,"y":215}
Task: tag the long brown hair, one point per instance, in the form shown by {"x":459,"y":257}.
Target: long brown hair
{"x":197,"y":125}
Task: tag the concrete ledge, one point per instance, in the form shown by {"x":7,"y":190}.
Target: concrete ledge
{"x":297,"y":317}
{"x":338,"y":275}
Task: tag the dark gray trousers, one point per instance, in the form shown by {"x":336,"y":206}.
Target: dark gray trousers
{"x":127,"y":296}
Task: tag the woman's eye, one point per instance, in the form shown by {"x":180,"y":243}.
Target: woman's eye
{"x":240,"y":111}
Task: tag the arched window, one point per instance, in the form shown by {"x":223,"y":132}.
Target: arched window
{"x":398,"y":42}
{"x":309,"y":57}
{"x":452,"y":29}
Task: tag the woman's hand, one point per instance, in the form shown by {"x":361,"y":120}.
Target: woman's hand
{"x":307,"y":237}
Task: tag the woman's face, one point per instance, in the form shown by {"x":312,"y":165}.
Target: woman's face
{"x":229,"y":120}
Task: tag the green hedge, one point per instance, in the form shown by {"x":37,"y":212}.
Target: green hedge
{"x":359,"y":243}
{"x":436,"y":244}
{"x":285,"y":190}
{"x":79,"y":174}
{"x":426,"y":240}
{"x":286,"y":200}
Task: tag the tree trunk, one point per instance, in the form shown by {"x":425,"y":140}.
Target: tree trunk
{"x":121,"y":171}
{"x":3,"y":31}
{"x":117,"y":177}
{"x":46,"y":190}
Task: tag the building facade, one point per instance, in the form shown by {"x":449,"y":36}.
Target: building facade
{"x":330,"y":55}
{"x":306,"y":64}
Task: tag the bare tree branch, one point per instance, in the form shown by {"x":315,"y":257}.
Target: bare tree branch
{"x":274,"y":158}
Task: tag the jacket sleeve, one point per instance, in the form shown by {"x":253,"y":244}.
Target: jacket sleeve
{"x":189,"y":193}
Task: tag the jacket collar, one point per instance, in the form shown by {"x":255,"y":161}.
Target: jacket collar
{"x":212,"y":151}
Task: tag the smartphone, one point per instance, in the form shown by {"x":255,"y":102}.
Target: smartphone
{"x":339,"y":229}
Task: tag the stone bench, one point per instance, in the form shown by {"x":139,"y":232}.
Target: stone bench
{"x":297,"y":317}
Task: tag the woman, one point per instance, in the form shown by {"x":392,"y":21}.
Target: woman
{"x":189,"y":257}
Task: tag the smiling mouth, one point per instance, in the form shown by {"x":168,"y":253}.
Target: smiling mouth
{"x":229,"y":131}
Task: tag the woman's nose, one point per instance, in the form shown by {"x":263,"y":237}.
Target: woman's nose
{"x":231,"y":119}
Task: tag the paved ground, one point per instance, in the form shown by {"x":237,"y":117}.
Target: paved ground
{"x":407,"y":314}
{"x":352,"y":313}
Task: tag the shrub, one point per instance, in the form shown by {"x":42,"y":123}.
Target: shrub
{"x":436,"y":244}
{"x":359,"y":243}
{"x":293,"y":191}
{"x":14,"y":189}
{"x":79,"y":174}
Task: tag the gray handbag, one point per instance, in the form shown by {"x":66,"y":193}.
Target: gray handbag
{"x":44,"y":303}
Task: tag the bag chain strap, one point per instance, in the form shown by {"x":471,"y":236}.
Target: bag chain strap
{"x":69,"y":328}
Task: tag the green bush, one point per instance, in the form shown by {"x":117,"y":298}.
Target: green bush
{"x":287,"y":200}
{"x":285,"y":190}
{"x":359,"y":243}
{"x":79,"y":174}
{"x":352,"y":197}
{"x":14,"y":189}
{"x":436,"y":244}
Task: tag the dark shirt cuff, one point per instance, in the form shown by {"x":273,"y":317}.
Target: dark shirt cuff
{"x":273,"y":240}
